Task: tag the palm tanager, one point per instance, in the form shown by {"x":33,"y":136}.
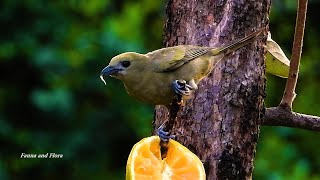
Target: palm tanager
{"x":155,"y":77}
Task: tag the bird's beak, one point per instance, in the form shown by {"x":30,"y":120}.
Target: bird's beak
{"x":107,"y":71}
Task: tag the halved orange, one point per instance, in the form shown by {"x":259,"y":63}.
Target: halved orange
{"x":145,"y":162}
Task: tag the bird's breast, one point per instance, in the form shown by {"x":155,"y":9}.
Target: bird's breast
{"x":153,"y":88}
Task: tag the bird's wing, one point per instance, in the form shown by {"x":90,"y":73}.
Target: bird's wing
{"x":171,"y":58}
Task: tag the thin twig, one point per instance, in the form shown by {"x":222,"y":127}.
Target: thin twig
{"x":289,"y":93}
{"x":278,"y":116}
{"x":174,"y":108}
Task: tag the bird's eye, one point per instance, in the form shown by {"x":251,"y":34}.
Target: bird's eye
{"x":125,"y":63}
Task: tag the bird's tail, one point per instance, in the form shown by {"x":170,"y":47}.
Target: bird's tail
{"x":237,"y":44}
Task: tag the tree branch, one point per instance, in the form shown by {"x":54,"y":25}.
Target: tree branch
{"x":289,"y":93}
{"x":281,"y":116}
{"x":174,"y":108}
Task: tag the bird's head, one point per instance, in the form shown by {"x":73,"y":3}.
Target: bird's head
{"x":124,"y":66}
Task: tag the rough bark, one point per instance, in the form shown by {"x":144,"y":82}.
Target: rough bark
{"x":220,"y":123}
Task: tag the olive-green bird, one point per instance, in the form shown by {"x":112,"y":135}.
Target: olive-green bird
{"x":155,"y":77}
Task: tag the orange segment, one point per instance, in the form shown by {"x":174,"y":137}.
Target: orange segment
{"x":145,"y":162}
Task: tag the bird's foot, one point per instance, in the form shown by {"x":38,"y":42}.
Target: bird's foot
{"x":181,"y":87}
{"x":164,"y":135}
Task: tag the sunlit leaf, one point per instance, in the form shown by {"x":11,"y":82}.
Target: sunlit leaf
{"x":277,"y":62}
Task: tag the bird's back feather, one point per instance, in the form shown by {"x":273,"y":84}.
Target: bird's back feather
{"x":171,"y":58}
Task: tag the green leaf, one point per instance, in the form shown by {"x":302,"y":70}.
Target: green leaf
{"x":277,"y":62}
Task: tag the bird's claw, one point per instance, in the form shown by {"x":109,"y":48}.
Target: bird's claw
{"x":164,"y":135}
{"x":181,"y":87}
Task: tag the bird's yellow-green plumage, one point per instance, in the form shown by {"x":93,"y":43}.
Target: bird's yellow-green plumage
{"x":149,"y":77}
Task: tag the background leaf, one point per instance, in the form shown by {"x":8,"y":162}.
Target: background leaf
{"x":277,"y":62}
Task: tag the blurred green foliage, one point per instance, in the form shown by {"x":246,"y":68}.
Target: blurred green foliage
{"x":52,"y":100}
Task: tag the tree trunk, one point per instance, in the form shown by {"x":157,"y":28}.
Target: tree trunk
{"x":220,"y":122}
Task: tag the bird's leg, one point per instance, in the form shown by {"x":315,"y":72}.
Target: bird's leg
{"x":182,"y":88}
{"x":163,"y":134}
